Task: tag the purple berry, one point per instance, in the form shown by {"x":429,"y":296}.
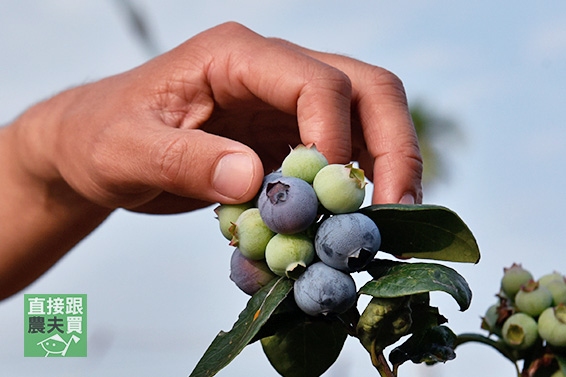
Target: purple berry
{"x":347,"y":242}
{"x":288,"y":205}
{"x":249,"y":275}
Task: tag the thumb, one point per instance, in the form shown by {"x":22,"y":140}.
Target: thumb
{"x":199,"y":165}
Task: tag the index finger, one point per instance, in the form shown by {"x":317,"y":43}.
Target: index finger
{"x":391,"y":140}
{"x":389,"y":134}
{"x":285,"y":78}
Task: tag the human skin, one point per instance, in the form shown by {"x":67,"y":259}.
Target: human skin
{"x":199,"y":124}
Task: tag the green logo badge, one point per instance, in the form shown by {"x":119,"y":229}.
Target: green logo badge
{"x":55,"y":325}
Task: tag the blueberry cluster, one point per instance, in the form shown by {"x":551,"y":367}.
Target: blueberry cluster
{"x":529,"y":313}
{"x":303,"y":225}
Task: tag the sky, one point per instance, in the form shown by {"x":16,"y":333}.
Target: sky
{"x":158,"y":287}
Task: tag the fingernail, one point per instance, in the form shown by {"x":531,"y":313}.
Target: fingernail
{"x":407,"y":199}
{"x":233,"y":175}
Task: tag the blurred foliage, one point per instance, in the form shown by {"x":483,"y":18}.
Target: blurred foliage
{"x":137,"y":21}
{"x":437,"y":133}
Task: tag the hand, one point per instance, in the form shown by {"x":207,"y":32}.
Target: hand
{"x":193,"y":126}
{"x":199,"y":124}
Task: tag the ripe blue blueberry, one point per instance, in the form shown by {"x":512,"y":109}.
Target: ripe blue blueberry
{"x":347,"y":242}
{"x":323,"y":290}
{"x":288,"y":205}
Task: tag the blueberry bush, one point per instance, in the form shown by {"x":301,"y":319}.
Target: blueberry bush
{"x":296,"y":247}
{"x":527,"y":323}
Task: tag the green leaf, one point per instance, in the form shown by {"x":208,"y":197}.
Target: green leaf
{"x":306,"y":349}
{"x":424,"y":316}
{"x":424,"y":231}
{"x":561,"y":362}
{"x":383,"y":322}
{"x":396,"y":279}
{"x":432,"y":346}
{"x":287,"y":314}
{"x":227,"y":345}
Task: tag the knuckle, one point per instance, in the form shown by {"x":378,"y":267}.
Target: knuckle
{"x":102,"y":179}
{"x":387,"y":83}
{"x":231,"y":28}
{"x":171,"y":157}
{"x":283,"y":42}
{"x":407,"y":149}
{"x":328,"y":84}
{"x":335,"y":80}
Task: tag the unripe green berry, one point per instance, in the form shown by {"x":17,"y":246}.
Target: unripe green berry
{"x":303,"y":162}
{"x":557,"y":289}
{"x":533,"y":299}
{"x":250,"y":234}
{"x":513,"y":278}
{"x":227,"y":215}
{"x":520,"y":331}
{"x":490,"y":320}
{"x":289,"y":255}
{"x":552,"y":326}
{"x":340,"y":188}
{"x":548,"y":278}
{"x":558,"y":373}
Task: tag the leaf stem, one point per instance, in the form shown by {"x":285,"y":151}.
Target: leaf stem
{"x":471,"y":337}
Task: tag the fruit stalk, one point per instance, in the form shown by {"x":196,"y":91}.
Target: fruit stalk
{"x":499,"y":346}
{"x":379,"y":362}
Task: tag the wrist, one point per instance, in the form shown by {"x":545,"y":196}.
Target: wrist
{"x":42,"y":216}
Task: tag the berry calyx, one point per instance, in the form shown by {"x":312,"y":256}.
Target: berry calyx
{"x":520,"y":331}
